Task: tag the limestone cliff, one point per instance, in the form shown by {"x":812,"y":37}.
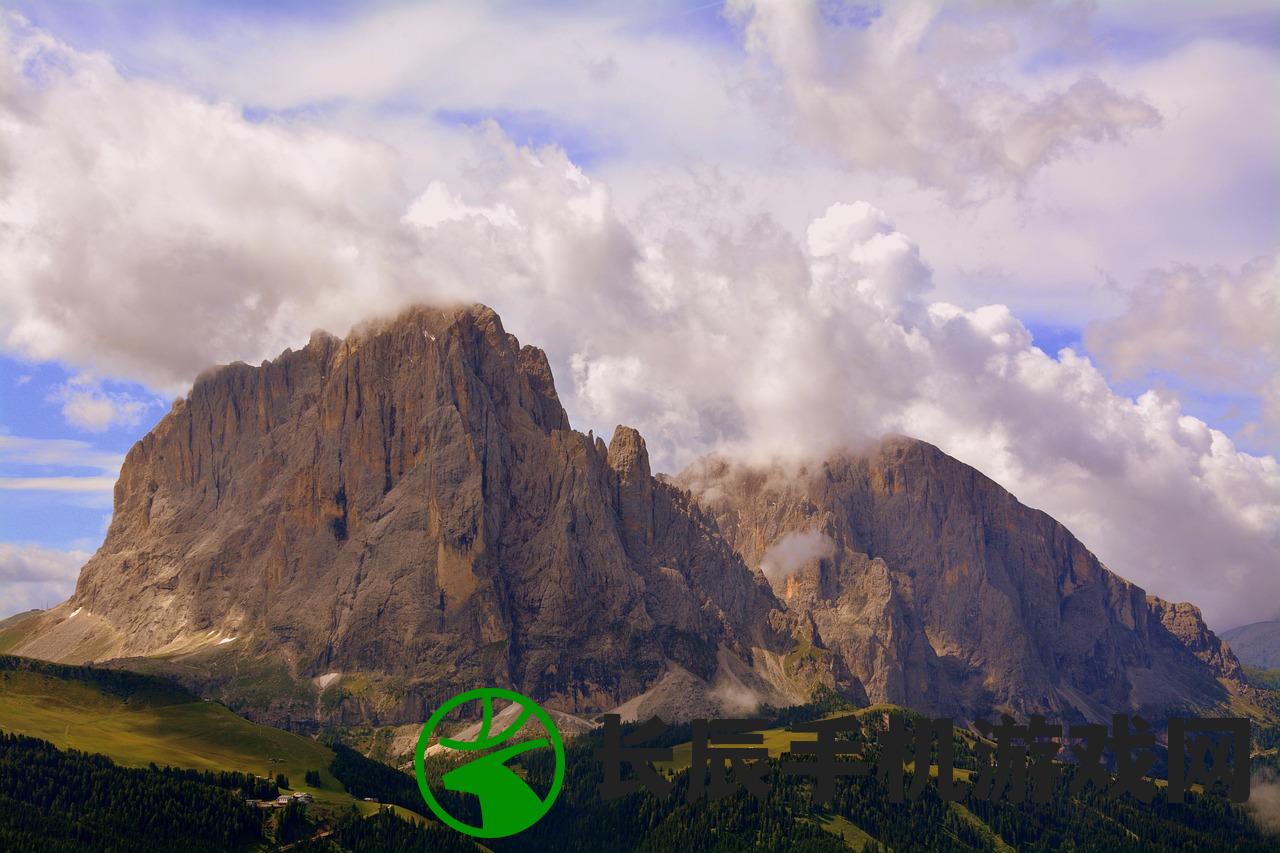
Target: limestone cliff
{"x":401,"y":515}
{"x":941,"y":591}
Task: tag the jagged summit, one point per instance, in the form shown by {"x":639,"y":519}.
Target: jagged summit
{"x":359,"y":528}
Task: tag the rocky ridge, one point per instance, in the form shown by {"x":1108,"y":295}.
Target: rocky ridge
{"x":937,"y":589}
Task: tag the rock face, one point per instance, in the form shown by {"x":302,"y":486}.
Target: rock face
{"x":411,"y":505}
{"x":355,"y":531}
{"x":938,"y":589}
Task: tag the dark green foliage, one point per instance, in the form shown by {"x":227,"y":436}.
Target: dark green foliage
{"x":293,"y":824}
{"x":153,"y":809}
{"x":386,"y":832}
{"x":581,"y":821}
{"x":824,"y":701}
{"x":55,"y":800}
{"x":364,"y":777}
{"x":1267,"y":679}
{"x":130,"y":686}
{"x":786,"y":820}
{"x":282,"y":781}
{"x":245,"y":784}
{"x":313,"y":778}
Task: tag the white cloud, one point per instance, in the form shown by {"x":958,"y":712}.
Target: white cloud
{"x":1216,"y":329}
{"x":146,"y":233}
{"x":793,"y":551}
{"x":1196,"y":189}
{"x":33,"y":577}
{"x":935,"y":96}
{"x":87,"y":405}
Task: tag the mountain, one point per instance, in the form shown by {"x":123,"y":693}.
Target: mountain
{"x":376,"y":523}
{"x":937,"y":589}
{"x":355,"y":531}
{"x":1257,"y":644}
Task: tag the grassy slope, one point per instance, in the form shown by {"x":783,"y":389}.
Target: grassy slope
{"x":164,"y":727}
{"x":13,"y":630}
{"x":841,"y":827}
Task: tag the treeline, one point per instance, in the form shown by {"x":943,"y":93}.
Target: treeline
{"x":385,"y":831}
{"x":785,"y":819}
{"x":115,"y":682}
{"x":1267,"y":679}
{"x":824,"y":701}
{"x":55,"y":800}
{"x":245,"y":784}
{"x":364,"y":777}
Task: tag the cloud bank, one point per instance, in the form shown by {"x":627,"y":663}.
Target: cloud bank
{"x":1217,"y":330}
{"x":909,"y":88}
{"x":146,"y":233}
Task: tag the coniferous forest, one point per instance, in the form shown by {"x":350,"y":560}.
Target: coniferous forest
{"x":52,"y":799}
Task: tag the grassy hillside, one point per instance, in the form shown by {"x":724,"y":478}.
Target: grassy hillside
{"x":137,"y":720}
{"x":13,"y":630}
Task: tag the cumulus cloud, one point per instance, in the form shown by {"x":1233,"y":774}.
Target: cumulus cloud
{"x":147,"y":233}
{"x":33,"y":578}
{"x":1216,"y":329}
{"x":931,"y":92}
{"x":87,"y":405}
{"x":793,"y":551}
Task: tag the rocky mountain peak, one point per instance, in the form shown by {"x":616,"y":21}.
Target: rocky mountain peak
{"x":628,"y":456}
{"x":408,"y":507}
{"x":938,"y":589}
{"x":373,"y":523}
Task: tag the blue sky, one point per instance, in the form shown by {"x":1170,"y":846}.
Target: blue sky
{"x":761,"y":231}
{"x":31,"y":408}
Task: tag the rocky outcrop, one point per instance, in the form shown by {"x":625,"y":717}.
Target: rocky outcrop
{"x":1184,"y":623}
{"x":941,"y":591}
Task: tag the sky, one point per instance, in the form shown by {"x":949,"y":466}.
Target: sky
{"x":1043,"y":236}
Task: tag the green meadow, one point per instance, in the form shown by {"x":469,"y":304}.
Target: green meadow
{"x":155,"y":723}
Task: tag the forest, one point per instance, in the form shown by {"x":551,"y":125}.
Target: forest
{"x":52,"y":799}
